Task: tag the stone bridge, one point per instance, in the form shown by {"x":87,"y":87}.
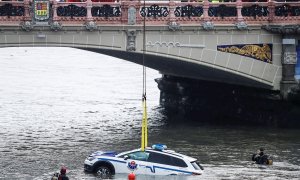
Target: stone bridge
{"x":236,"y":42}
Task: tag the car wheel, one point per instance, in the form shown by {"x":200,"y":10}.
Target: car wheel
{"x":103,"y":171}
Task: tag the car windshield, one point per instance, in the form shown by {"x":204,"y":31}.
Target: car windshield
{"x":138,"y":155}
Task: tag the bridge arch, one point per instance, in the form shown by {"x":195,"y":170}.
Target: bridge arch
{"x":185,"y":68}
{"x":185,"y":54}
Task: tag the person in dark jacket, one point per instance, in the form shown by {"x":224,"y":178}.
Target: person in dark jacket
{"x":63,"y":176}
{"x":261,"y":158}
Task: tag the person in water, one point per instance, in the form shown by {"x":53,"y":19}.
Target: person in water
{"x":261,"y":158}
{"x":63,"y":176}
{"x":55,"y":176}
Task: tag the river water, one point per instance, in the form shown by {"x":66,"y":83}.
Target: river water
{"x":57,"y":105}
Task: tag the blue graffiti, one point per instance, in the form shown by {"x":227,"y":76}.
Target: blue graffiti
{"x":297,"y":71}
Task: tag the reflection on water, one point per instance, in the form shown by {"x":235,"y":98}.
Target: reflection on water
{"x":57,"y":108}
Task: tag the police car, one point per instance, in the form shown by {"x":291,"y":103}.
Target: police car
{"x":153,"y":161}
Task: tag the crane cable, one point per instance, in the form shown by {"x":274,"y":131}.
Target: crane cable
{"x":144,"y":136}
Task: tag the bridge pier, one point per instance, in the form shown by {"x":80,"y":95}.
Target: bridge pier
{"x":289,"y":61}
{"x":204,"y":102}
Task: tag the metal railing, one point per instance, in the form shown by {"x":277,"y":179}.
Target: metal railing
{"x":158,"y":12}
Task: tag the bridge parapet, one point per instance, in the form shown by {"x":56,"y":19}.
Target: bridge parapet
{"x":131,"y":12}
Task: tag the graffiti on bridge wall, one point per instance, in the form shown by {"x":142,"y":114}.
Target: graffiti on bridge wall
{"x":262,"y":52}
{"x":297,"y":72}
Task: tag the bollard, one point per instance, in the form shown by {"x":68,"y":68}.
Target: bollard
{"x":131,"y":176}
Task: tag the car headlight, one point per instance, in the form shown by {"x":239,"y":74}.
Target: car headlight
{"x":90,"y":158}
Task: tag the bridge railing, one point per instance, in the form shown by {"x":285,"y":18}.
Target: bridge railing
{"x":185,"y":12}
{"x":78,"y":12}
{"x":11,"y":12}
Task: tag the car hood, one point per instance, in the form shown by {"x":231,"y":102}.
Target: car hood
{"x":104,"y":153}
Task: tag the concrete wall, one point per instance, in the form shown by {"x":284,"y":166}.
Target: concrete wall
{"x":191,"y":45}
{"x":201,"y":48}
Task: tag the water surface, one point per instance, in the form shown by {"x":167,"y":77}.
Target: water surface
{"x":57,"y":105}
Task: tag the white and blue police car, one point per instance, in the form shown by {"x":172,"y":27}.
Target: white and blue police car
{"x":153,"y":161}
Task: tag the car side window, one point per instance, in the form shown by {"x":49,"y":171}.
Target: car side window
{"x":165,"y":159}
{"x":138,"y":155}
{"x":178,"y":162}
{"x":159,"y":158}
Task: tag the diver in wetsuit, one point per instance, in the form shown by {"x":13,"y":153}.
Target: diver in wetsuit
{"x":261,"y":158}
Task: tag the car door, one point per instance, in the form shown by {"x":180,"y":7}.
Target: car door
{"x":135,"y":162}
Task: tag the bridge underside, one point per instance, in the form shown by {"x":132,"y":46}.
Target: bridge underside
{"x":175,"y":67}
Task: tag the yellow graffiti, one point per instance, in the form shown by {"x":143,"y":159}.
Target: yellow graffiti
{"x":261,"y":53}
